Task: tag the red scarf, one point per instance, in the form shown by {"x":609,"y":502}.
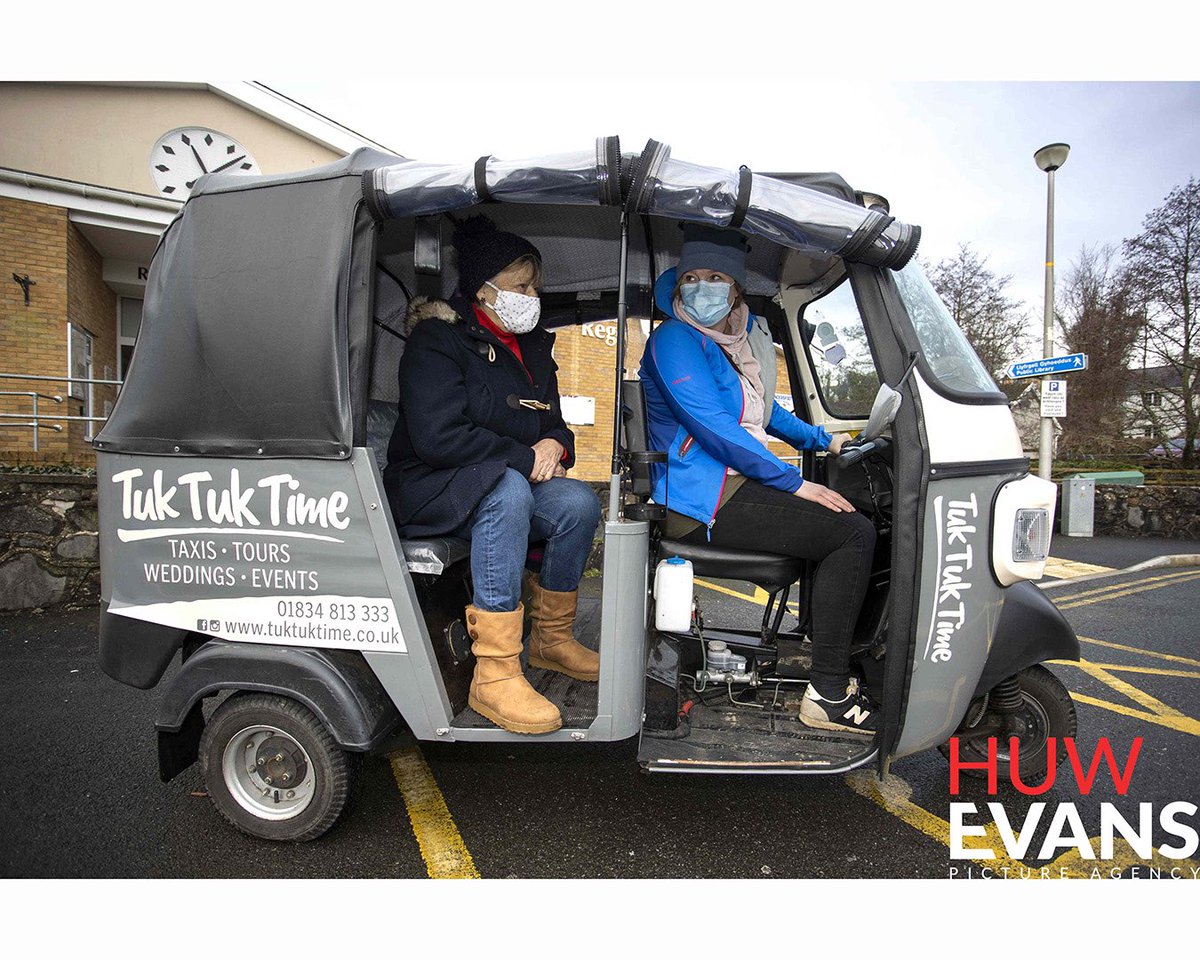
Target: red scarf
{"x":506,"y":337}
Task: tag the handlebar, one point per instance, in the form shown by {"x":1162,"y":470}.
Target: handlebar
{"x":856,"y":451}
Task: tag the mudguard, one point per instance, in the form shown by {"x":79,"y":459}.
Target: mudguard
{"x":336,"y":685}
{"x":136,"y":652}
{"x":1031,"y":630}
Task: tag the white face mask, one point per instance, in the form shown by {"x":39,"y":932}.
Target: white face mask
{"x":518,"y":312}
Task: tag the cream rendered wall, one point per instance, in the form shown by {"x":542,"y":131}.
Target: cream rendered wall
{"x":100,"y":134}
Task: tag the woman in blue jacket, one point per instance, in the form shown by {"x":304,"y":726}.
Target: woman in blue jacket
{"x":709,"y":376}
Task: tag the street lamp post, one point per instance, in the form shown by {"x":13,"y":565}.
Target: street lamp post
{"x":1049,"y":158}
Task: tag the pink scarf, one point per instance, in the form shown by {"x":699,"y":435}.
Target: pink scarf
{"x":736,"y":346}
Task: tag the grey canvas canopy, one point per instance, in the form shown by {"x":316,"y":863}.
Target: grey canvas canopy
{"x":260,"y":312}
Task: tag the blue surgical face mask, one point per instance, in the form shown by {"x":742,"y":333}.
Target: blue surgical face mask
{"x":706,"y":301}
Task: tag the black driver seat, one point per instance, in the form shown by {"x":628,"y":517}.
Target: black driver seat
{"x":773,"y":572}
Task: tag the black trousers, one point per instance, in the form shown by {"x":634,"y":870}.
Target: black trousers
{"x":760,"y":518}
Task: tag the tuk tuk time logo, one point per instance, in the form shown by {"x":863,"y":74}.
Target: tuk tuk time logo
{"x":955,"y":559}
{"x":228,"y":505}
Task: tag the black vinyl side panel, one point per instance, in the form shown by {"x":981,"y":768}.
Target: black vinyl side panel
{"x":893,"y":342}
{"x":1031,"y":629}
{"x":337,"y":685}
{"x":134,"y":651}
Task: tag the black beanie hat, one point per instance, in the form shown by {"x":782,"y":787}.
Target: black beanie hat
{"x":483,"y":251}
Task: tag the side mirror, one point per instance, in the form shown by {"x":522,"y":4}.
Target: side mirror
{"x":883,"y":411}
{"x":827,"y":342}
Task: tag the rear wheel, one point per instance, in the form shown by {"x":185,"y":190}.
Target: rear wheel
{"x":1032,"y":706}
{"x":272,"y":769}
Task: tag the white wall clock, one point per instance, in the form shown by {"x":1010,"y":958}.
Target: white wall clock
{"x":181,"y":156}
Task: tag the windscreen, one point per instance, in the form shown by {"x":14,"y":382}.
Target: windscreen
{"x":952,"y":361}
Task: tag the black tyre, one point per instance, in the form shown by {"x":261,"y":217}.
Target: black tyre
{"x":272,"y":769}
{"x":1046,"y":710}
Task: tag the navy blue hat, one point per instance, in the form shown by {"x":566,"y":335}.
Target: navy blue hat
{"x":711,"y":248}
{"x":484,"y":251}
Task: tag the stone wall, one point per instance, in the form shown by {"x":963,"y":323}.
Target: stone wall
{"x":1147,"y":511}
{"x":48,"y":541}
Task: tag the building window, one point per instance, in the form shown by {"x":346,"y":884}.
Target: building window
{"x":1152,"y":399}
{"x":1147,"y":431}
{"x":129,"y":321}
{"x":82,"y":371}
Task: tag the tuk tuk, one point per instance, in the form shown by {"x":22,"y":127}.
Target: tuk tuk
{"x":245,"y":529}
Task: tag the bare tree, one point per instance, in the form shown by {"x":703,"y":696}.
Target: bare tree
{"x":1164,"y":260}
{"x":978,"y":300}
{"x":1100,"y":316}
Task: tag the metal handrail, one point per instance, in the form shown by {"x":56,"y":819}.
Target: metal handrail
{"x":36,"y":424}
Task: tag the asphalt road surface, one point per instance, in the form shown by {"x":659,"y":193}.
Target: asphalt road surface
{"x":82,"y":798}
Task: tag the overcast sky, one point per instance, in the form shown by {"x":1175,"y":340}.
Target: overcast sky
{"x":957,"y":158}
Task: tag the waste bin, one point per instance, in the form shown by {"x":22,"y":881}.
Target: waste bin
{"x":1078,"y":506}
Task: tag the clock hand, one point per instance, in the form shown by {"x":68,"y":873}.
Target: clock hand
{"x":230,"y":163}
{"x":198,"y":160}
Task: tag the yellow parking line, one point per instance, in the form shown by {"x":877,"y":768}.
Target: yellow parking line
{"x":1185,"y":725}
{"x":1146,"y":653}
{"x":1153,"y":671}
{"x":1110,"y":587}
{"x":759,"y":596}
{"x":1056,"y":567}
{"x":1127,"y":689}
{"x":442,"y":847}
{"x":1116,"y":594}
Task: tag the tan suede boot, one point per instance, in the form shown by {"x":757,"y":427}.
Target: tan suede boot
{"x":499,"y":690}
{"x":552,"y":646}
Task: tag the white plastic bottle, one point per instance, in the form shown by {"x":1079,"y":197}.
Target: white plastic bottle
{"x":673,"y":595}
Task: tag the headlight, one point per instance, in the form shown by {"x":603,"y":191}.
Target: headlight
{"x":1031,"y":535}
{"x":1022,"y":520}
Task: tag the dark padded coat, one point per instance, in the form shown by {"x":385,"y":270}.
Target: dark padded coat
{"x":460,"y":425}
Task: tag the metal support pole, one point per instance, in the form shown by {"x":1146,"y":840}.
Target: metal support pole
{"x":1046,"y":446}
{"x":614,"y":483}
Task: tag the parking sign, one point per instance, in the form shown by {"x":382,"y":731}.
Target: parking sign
{"x":1054,"y":398}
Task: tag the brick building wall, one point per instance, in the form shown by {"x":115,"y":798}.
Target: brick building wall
{"x":39,"y":240}
{"x":92,"y":306}
{"x":33,"y":240}
{"x":586,"y":357}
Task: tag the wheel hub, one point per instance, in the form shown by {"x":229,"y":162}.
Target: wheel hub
{"x":268,"y":773}
{"x":280,"y":762}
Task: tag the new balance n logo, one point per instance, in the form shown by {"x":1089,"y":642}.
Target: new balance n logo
{"x":857,"y":714}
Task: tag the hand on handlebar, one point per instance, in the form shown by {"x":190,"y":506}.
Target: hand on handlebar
{"x":835,"y":445}
{"x":825,"y":497}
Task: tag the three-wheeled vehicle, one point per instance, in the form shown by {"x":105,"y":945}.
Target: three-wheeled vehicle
{"x":244,"y":525}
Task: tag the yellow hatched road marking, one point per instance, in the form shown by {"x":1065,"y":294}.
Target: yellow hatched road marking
{"x":442,"y":847}
{"x":1139,"y":697}
{"x":1186,"y":725}
{"x":1057,"y":567}
{"x":1144,"y":652}
{"x":1129,"y":592}
{"x":1115,"y":591}
{"x":1153,"y":671}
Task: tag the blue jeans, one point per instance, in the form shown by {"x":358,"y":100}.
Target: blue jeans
{"x":563,"y":512}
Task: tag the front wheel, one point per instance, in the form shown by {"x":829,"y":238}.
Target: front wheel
{"x":1032,"y":706}
{"x":272,"y":769}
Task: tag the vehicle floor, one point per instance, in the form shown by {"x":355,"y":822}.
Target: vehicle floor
{"x":732,"y":725}
{"x":737,"y":728}
{"x":576,"y":699}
